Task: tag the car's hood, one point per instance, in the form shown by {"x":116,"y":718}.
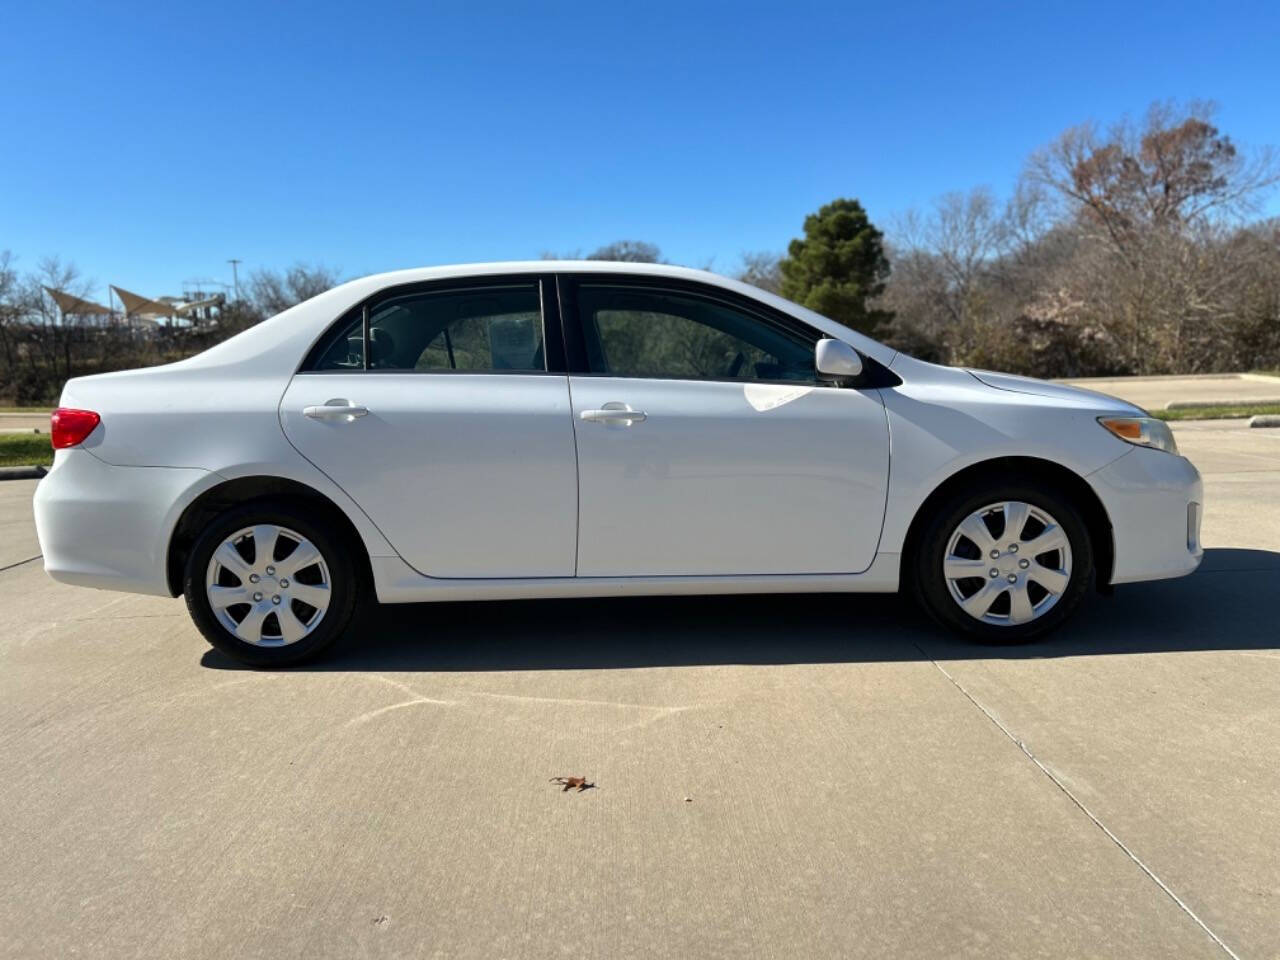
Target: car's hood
{"x":1055,"y":391}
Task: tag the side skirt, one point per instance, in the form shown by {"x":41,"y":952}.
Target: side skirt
{"x":396,"y":582}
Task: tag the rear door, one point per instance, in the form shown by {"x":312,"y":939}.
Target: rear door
{"x":706,"y":444}
{"x":434,"y":409}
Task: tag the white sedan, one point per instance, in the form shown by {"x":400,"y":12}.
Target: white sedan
{"x":548,"y":429}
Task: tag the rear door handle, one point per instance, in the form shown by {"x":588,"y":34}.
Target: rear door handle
{"x":338,"y":409}
{"x":614,"y":412}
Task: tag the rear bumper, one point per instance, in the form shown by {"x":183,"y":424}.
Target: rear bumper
{"x":1154,"y":501}
{"x":109,"y":527}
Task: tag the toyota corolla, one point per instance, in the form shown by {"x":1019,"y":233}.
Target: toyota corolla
{"x":502,"y":431}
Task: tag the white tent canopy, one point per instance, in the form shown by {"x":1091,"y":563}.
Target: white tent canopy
{"x":71,"y":305}
{"x":136,"y":305}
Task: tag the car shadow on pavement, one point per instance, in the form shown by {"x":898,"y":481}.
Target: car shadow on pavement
{"x":1230,"y":603}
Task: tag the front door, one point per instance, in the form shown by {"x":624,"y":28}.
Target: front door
{"x":444,"y":425}
{"x":706,"y":445}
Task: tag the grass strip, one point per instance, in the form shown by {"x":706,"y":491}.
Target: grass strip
{"x":1235,"y":411}
{"x":25,"y":450}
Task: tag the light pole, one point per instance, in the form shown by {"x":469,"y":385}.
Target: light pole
{"x":235,"y":276}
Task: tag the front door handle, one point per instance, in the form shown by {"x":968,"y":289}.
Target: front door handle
{"x":614,"y":412}
{"x":338,"y":409}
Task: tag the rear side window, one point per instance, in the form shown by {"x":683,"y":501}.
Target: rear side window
{"x":346,"y":348}
{"x":481,"y":330}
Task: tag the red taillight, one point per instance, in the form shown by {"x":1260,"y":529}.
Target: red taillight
{"x":68,"y":427}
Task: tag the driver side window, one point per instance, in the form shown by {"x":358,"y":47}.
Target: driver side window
{"x":660,"y":334}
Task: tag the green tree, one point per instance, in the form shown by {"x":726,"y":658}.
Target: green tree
{"x":838,"y":266}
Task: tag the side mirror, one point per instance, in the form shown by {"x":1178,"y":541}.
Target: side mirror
{"x":836,"y":361}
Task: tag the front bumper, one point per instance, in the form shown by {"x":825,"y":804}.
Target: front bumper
{"x":109,"y":527}
{"x":1154,"y":501}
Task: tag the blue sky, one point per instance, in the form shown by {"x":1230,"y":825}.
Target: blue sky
{"x":151,"y":142}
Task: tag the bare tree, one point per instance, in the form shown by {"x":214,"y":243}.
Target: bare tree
{"x":1156,"y":206}
{"x":762,"y":269}
{"x":628,"y":251}
{"x":10,"y":310}
{"x":1174,"y":172}
{"x":620,"y":251}
{"x":58,"y":331}
{"x":272,"y":292}
{"x":1028,"y":217}
{"x":966,"y":233}
{"x":955,"y":270}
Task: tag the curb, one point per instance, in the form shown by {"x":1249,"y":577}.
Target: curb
{"x":22,"y":473}
{"x":1265,"y":420}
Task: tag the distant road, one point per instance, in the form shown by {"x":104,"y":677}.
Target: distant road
{"x":1152,"y":393}
{"x":39,"y":419}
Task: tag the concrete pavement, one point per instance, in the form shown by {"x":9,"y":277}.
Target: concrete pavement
{"x":859,"y":783}
{"x":17,"y":529}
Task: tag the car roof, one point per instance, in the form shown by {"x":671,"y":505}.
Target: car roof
{"x":509,"y":267}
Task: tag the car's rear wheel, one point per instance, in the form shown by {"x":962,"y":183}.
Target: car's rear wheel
{"x":1004,"y":562}
{"x":268,"y":585}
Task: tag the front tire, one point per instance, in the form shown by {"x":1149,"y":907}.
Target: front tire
{"x":1003,"y":562}
{"x":268,"y":585}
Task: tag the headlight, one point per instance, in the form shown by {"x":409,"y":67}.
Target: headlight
{"x":1144,"y":431}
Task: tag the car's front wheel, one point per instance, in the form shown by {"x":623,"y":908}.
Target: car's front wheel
{"x":1004,"y":562}
{"x":268,"y":585}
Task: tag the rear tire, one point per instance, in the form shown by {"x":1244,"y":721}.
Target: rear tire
{"x":975,"y":574}
{"x":268,"y":585}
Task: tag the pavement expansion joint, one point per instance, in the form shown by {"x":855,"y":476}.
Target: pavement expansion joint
{"x":20,"y":563}
{"x":1080,"y":805}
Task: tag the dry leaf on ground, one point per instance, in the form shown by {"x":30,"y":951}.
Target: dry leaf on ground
{"x":573,"y":783}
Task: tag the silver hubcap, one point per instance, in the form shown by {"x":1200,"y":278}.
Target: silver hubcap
{"x":1007,"y":563}
{"x":268,"y":585}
